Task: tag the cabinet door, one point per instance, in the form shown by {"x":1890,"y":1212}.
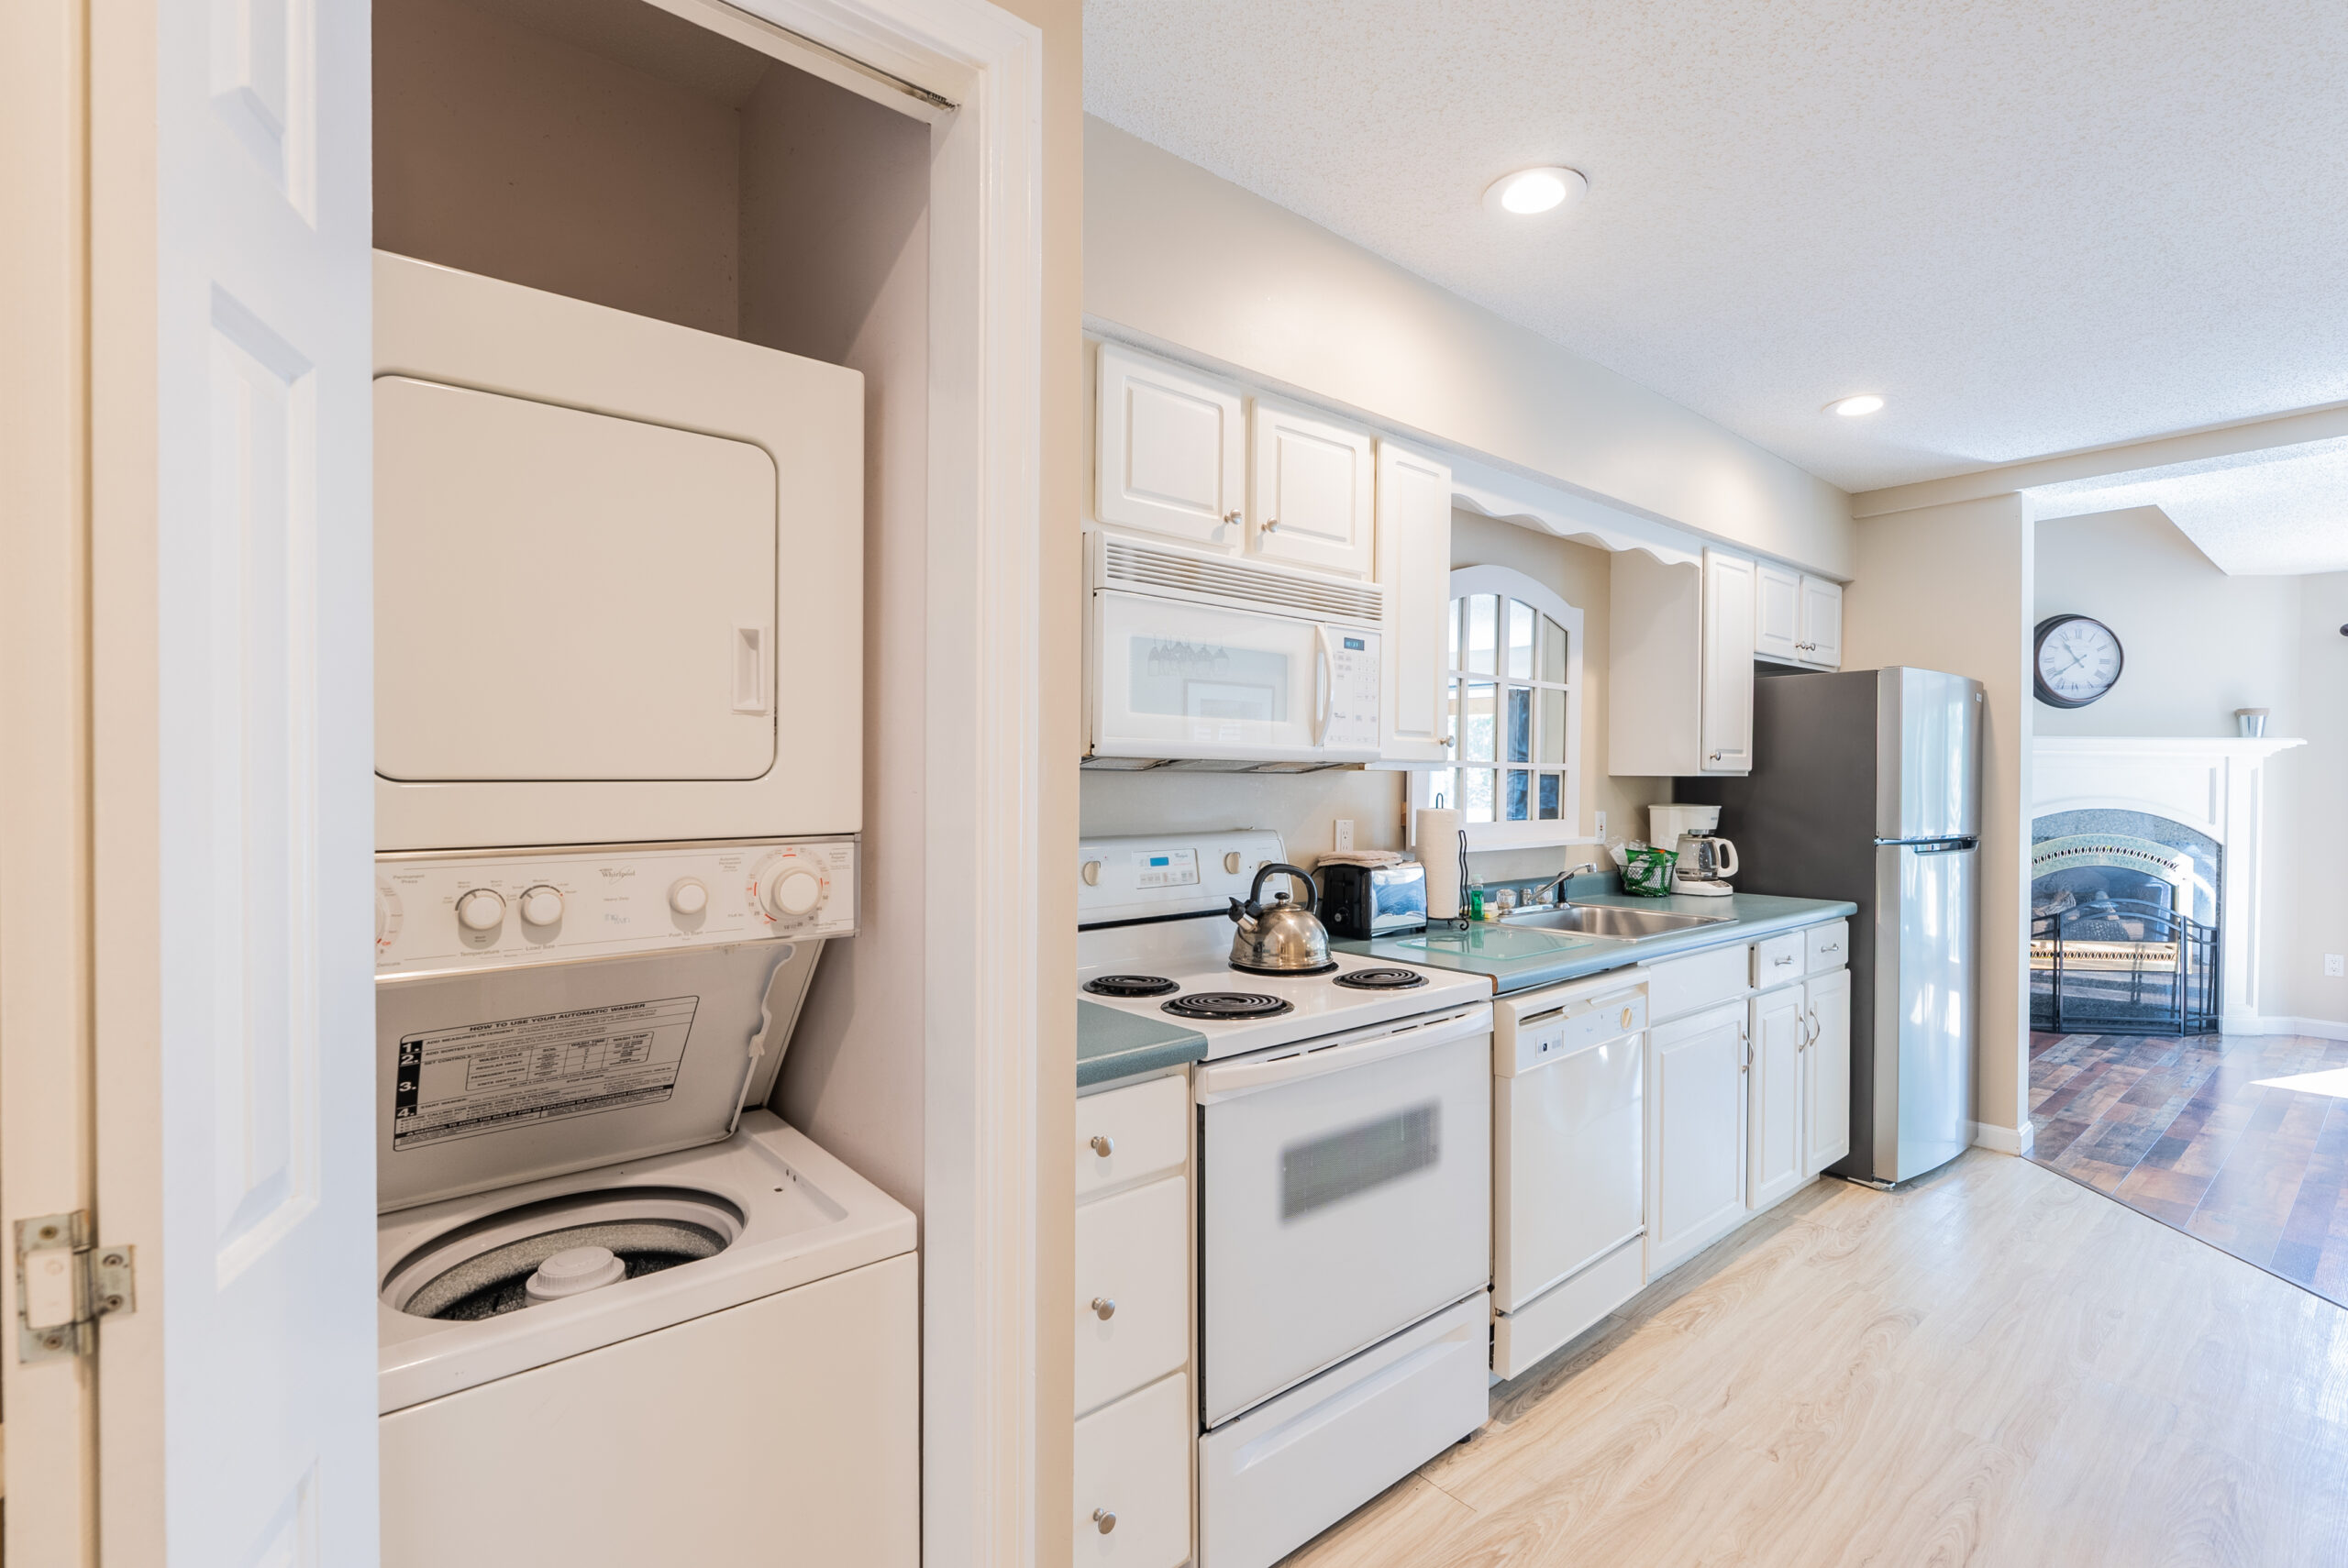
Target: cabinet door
{"x":1133,"y":1291}
{"x":1171,"y":450}
{"x":1822,"y":623}
{"x":1773,"y":1131}
{"x":1826,"y":1071}
{"x":1696,"y":1146}
{"x":1132,"y":1481}
{"x":1728,"y":664}
{"x":1312,"y":504}
{"x":1776,"y":612}
{"x":1414,"y":566}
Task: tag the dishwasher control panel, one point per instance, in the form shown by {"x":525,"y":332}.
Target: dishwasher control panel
{"x":1534,"y":1029}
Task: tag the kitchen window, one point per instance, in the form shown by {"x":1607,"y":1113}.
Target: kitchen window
{"x":1513,"y":689}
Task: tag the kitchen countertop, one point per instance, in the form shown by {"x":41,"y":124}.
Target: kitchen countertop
{"x":1112,"y":1044}
{"x":1518,"y":958}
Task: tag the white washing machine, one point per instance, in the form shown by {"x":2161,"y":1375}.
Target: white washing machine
{"x":622,"y":1319}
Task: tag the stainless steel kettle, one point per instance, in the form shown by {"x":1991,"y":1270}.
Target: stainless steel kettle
{"x":1286,"y":938}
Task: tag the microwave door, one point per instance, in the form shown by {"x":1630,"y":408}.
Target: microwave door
{"x":1174,"y":680}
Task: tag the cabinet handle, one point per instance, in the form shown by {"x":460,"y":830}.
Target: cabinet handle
{"x":1106,"y":1518}
{"x":1816,"y":1030}
{"x":1747,"y":1041}
{"x":1104,"y":1145}
{"x":1231,"y":517}
{"x":1103,"y":1308}
{"x":1270,"y":523}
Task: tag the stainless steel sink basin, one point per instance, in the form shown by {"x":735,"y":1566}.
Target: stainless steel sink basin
{"x":1612,"y":921}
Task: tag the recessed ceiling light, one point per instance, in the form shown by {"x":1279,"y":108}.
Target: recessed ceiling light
{"x":1852,"y":407}
{"x":1530,"y":191}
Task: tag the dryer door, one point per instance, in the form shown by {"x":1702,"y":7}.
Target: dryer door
{"x":564,"y":595}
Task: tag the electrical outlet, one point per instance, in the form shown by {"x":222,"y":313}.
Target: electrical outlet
{"x":1344,"y":834}
{"x":1600,"y":829}
{"x":2334,"y":965}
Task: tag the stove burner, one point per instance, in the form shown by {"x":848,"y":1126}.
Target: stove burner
{"x":1382,"y":979}
{"x":1226,"y":1005}
{"x":1131,"y":986}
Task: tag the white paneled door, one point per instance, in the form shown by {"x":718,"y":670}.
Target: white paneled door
{"x":1728,"y":663}
{"x":1312,"y":502}
{"x":1171,"y":449}
{"x":1776,"y":612}
{"x":230,"y":230}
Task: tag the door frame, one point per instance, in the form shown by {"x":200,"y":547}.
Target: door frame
{"x":77,"y":192}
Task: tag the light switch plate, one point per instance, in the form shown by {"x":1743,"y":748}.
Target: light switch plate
{"x":1600,"y":826}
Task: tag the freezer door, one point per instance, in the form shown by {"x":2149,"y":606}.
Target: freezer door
{"x":1926,"y":1007}
{"x":1928,"y":762}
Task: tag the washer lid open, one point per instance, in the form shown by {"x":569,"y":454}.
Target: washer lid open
{"x":504,"y":1075}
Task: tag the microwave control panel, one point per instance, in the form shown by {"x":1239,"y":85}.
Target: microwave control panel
{"x":444,"y":913}
{"x":1353,"y":691}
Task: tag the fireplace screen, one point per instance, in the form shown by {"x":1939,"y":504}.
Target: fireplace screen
{"x":2113,"y":948}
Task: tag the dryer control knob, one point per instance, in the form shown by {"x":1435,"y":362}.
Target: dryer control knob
{"x":793,"y":893}
{"x":482,"y":908}
{"x":541,"y":905}
{"x":688,"y":896}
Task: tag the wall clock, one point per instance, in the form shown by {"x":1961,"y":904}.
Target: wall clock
{"x":2076,"y":661}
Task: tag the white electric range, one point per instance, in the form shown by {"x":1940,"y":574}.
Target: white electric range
{"x":1344,"y":1126}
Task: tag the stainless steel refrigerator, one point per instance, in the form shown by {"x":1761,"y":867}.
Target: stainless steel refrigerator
{"x":1867,"y":786}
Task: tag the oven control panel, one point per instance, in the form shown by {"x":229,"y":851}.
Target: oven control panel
{"x":438,"y":913}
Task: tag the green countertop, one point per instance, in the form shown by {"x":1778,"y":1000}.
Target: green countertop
{"x":1112,"y":1043}
{"x":1517,"y":958}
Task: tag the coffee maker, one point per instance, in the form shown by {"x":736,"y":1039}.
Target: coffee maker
{"x":1706,"y":860}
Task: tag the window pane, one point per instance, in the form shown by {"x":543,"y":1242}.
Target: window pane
{"x":1553,"y":726}
{"x":1459,"y":608}
{"x":1475,"y":794}
{"x":1443,"y":792}
{"x":1551,"y":790}
{"x":1476,"y":720}
{"x":1520,"y":641}
{"x":1519,"y":795}
{"x":1483,"y":613}
{"x":1553,"y":650}
{"x":1520,"y":724}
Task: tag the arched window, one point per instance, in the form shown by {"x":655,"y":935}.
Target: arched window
{"x":1515,"y":708}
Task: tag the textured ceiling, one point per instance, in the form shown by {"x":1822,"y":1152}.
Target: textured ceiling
{"x":2034,"y":227}
{"x":2278,"y":512}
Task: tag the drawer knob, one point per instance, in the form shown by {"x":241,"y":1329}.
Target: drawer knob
{"x":1104,"y":1145}
{"x":1105,"y":1519}
{"x":1104,"y":1307}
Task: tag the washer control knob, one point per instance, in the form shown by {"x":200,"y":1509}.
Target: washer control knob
{"x":688,"y":896}
{"x":541,"y":905}
{"x":482,"y":908}
{"x":793,"y":893}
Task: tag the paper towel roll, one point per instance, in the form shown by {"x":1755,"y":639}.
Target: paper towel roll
{"x":1436,"y":833}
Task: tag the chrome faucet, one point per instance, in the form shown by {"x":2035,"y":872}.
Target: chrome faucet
{"x":1554,"y":891}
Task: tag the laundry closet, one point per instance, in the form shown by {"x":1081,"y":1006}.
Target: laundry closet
{"x":651,"y":414}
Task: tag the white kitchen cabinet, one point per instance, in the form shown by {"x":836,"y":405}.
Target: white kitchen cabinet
{"x":1312,"y":499}
{"x":1820,"y":642}
{"x":1680,"y":675}
{"x":1779,"y":1029}
{"x":1171,"y":450}
{"x":1777,"y":612}
{"x":1132,"y":1480}
{"x":1728,"y":664}
{"x":1826,"y":1069}
{"x":1414,"y":565}
{"x":1133,"y":1319}
{"x":1695,"y":1110}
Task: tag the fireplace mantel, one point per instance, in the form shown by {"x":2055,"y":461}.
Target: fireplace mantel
{"x":2216,"y":785}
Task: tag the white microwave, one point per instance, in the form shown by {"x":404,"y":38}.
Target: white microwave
{"x":1202,"y":659}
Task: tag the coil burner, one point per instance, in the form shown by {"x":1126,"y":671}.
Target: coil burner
{"x":1226,"y":1005}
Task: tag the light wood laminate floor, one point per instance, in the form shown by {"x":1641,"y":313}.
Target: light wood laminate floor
{"x":1994,"y":1366}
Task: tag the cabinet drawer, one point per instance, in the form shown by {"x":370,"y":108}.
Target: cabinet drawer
{"x":1680,"y":986}
{"x":1133,"y":1475}
{"x":1124,"y":1135}
{"x":1777,"y":959}
{"x":1132,"y":1253}
{"x":1826,"y":946}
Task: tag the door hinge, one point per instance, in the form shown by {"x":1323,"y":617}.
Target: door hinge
{"x":65,"y":1282}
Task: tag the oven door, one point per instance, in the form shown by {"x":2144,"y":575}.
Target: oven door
{"x":1172,"y":679}
{"x":1346,"y":1194}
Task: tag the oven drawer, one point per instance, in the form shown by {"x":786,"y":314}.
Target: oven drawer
{"x":1126,"y":1135}
{"x":1133,"y":1319}
{"x":1283,"y":1473}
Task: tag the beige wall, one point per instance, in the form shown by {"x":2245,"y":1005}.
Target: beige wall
{"x":1949,"y":588}
{"x":1178,"y":255}
{"x":2316,"y":778}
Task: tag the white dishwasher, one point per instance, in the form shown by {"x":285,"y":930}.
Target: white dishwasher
{"x":1568,"y":1167}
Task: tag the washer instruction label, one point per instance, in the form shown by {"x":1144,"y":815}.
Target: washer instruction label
{"x":485,"y":1077}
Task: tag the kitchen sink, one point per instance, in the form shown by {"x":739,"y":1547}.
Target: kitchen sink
{"x":1612,"y":921}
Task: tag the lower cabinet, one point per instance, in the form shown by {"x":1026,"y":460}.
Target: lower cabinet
{"x":1696,"y":1106}
{"x":1772,"y":1132}
{"x":1133,"y":1479}
{"x":1826,"y":1070}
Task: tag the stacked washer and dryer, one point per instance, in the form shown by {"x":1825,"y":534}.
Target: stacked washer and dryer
{"x":628,"y":1315}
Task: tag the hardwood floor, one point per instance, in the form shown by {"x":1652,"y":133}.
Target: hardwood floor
{"x":1995,"y":1367}
{"x":2202,"y":1139}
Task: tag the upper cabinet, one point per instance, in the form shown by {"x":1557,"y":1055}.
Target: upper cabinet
{"x":1727,"y":727}
{"x":1313,"y":500}
{"x":1680,"y":675}
{"x":1822,"y":624}
{"x":1414,"y":563}
{"x":1172,"y":450}
{"x":1797,"y":618}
